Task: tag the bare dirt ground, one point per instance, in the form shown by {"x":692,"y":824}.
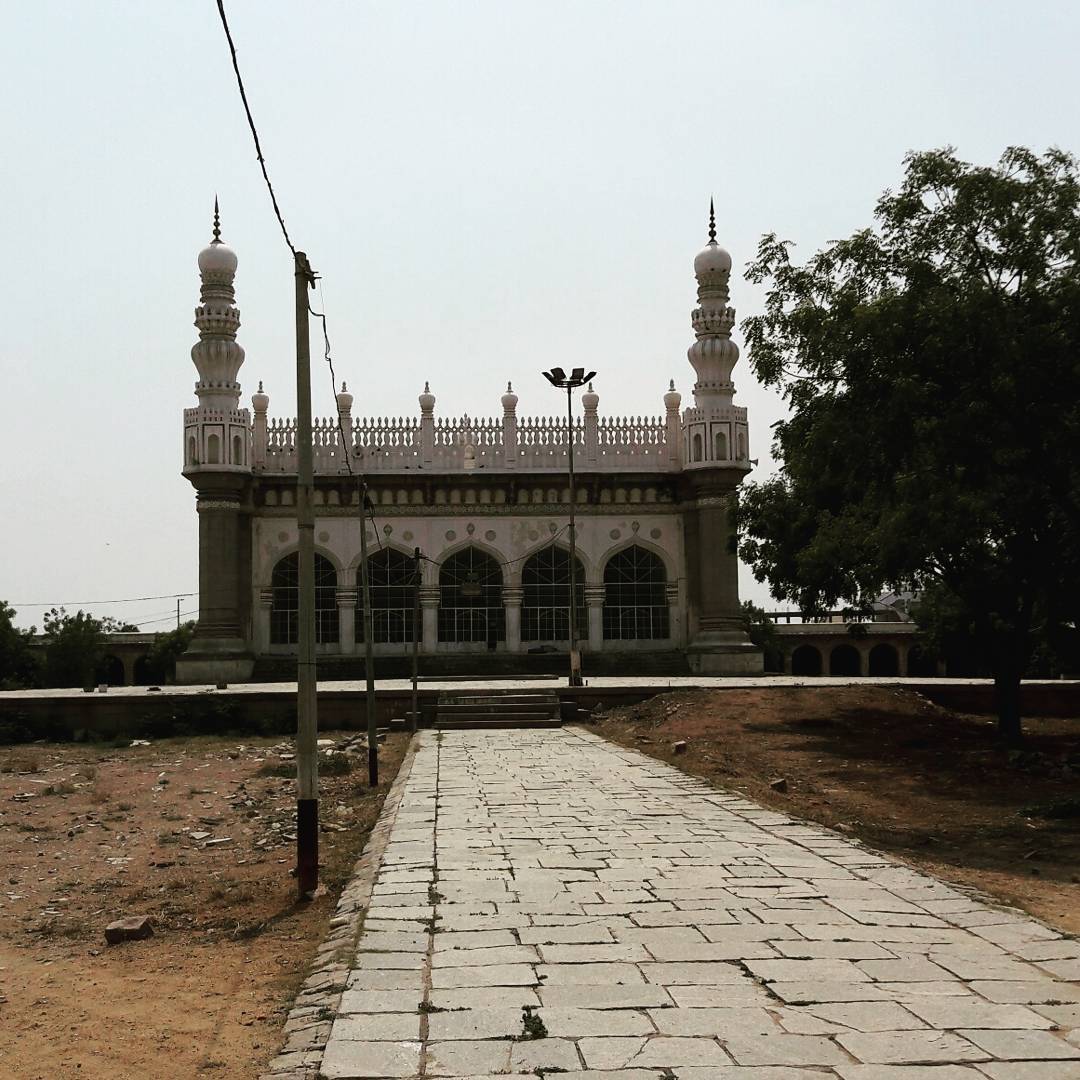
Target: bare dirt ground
{"x":198,"y":835}
{"x":887,"y":766}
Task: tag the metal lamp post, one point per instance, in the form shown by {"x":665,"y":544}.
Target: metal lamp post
{"x":569,"y":383}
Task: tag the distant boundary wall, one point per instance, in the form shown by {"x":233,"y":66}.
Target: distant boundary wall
{"x":253,"y":709}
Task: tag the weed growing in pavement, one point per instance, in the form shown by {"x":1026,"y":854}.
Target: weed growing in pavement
{"x":533,"y":1027}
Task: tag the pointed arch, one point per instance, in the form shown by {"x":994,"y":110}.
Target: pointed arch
{"x":545,"y":602}
{"x":635,"y":596}
{"x":391,"y":584}
{"x":285,"y":601}
{"x":470,"y":597}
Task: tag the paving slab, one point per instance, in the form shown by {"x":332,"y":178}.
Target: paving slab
{"x":550,"y":903}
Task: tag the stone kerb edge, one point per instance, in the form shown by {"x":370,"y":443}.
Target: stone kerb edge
{"x":308,"y":1025}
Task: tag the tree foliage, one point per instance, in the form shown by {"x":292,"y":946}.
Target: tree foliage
{"x":761,"y":631}
{"x":161,"y":660}
{"x":18,"y":663}
{"x":931,"y":363}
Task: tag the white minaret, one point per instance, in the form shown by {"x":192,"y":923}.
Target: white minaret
{"x":217,"y":431}
{"x":714,"y":430}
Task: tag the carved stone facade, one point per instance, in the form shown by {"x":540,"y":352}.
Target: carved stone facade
{"x":486,"y":501}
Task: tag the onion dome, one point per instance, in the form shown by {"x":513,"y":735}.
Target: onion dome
{"x":344,"y":400}
{"x":509,"y":399}
{"x":590,"y":399}
{"x":712,"y":258}
{"x":217,"y":258}
{"x":427,"y":399}
{"x":260,"y":402}
{"x":672,"y":399}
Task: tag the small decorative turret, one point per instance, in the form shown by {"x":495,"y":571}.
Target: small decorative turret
{"x":260,"y":401}
{"x":509,"y":401}
{"x":713,"y":354}
{"x":714,"y":432}
{"x":427,"y":400}
{"x":217,"y":432}
{"x":590,"y":400}
{"x":344,"y":401}
{"x":672,"y":399}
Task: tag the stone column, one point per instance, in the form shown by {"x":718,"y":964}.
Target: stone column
{"x":675,"y":622}
{"x":718,"y":644}
{"x":261,"y":628}
{"x":512,"y":596}
{"x":220,"y":649}
{"x":429,"y":615}
{"x":347,"y":615}
{"x":594,"y":603}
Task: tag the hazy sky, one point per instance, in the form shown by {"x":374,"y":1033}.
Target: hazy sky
{"x":488,"y":188}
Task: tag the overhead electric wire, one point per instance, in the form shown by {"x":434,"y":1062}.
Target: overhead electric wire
{"x":166,"y":618}
{"x":124,"y":600}
{"x":251,"y":124}
{"x":364,"y":501}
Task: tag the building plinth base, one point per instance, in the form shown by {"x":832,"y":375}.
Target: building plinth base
{"x":724,"y":653}
{"x":215,"y":660}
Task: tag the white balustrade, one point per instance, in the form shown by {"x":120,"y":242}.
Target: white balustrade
{"x":389,"y":444}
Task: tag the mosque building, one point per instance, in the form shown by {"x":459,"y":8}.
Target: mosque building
{"x":487,"y":503}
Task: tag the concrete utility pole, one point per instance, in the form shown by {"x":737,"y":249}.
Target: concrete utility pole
{"x":307,"y":769}
{"x":369,"y":658}
{"x":413,"y":716}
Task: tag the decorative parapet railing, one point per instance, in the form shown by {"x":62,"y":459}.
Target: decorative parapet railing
{"x":388,"y":444}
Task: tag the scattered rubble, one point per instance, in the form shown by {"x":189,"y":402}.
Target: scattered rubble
{"x":132,"y":928}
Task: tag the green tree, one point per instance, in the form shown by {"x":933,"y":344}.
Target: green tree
{"x":931,"y":364}
{"x":75,"y":647}
{"x":761,"y":630}
{"x":161,"y":660}
{"x":18,"y":663}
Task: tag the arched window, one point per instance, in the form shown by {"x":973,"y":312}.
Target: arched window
{"x":545,"y":603}
{"x":237,"y":450}
{"x":470,"y":598}
{"x":285,"y":606}
{"x":698,"y":447}
{"x":390,"y":575}
{"x":742,"y":446}
{"x":191,"y":450}
{"x":213,"y":450}
{"x":635,"y":596}
{"x":720,"y":449}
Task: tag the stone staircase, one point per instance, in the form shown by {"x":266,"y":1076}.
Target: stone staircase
{"x":527,"y":708}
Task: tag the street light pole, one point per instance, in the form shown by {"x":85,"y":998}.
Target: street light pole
{"x":557,"y":377}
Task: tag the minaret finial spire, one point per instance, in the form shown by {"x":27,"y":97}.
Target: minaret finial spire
{"x":217,"y":223}
{"x":712,"y":222}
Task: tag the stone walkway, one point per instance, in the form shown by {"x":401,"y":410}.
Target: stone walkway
{"x":641,"y":925}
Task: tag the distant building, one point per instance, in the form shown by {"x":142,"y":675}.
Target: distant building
{"x":486,"y":501}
